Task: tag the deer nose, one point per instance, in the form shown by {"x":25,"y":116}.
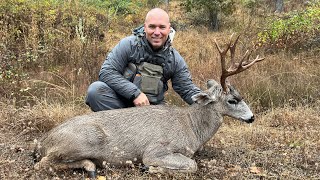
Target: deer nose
{"x":251,"y":120}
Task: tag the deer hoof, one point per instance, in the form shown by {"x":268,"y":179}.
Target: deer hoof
{"x":92,"y":174}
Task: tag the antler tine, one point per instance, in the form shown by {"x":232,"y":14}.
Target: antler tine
{"x":223,"y":53}
{"x":222,"y":56}
{"x":250,"y":63}
{"x":233,"y":48}
{"x":243,"y":65}
{"x":235,"y":67}
{"x":225,"y":73}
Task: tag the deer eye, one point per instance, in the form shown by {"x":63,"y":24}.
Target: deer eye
{"x":233,"y":101}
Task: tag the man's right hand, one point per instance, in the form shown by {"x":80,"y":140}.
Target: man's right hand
{"x":141,"y":100}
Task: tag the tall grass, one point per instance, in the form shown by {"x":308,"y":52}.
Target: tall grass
{"x":52,"y":52}
{"x":62,"y":37}
{"x":279,"y":80}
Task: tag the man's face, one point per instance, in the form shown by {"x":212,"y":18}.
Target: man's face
{"x":157,"y":29}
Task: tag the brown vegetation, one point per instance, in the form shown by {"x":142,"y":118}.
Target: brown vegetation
{"x":283,"y":90}
{"x":283,"y":143}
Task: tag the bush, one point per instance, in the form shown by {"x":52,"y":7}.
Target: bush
{"x":204,"y":11}
{"x":51,"y":35}
{"x":293,"y":31}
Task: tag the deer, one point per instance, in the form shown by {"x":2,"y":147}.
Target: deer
{"x":163,"y":138}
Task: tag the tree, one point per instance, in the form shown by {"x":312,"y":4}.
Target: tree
{"x":211,"y":8}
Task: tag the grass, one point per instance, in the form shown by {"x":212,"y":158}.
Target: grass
{"x":282,"y":143}
{"x":283,"y":91}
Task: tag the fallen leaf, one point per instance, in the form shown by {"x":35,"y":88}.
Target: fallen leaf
{"x":98,"y":178}
{"x":256,"y":170}
{"x":101,"y":178}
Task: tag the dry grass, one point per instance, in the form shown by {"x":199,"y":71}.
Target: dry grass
{"x":282,"y":143}
{"x":283,"y":91}
{"x":38,"y":118}
{"x":281,"y":79}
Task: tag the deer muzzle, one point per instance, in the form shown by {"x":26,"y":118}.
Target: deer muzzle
{"x":250,"y":120}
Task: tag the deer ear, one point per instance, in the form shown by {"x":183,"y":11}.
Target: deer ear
{"x":211,"y":83}
{"x":215,"y":92}
{"x":210,"y":95}
{"x":202,"y":98}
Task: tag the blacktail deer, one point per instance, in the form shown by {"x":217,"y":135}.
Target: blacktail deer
{"x":162,"y":137}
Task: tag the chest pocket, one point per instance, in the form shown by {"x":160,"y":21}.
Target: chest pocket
{"x":151,"y":75}
{"x":150,"y":81}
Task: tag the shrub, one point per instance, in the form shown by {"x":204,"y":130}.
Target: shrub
{"x":208,"y":11}
{"x":55,"y":35}
{"x":293,"y":31}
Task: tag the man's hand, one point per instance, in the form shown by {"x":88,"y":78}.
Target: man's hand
{"x":141,"y":100}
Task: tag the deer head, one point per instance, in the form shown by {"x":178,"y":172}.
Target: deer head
{"x":226,"y":99}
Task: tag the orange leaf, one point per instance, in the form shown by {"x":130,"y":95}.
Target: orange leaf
{"x":256,"y":170}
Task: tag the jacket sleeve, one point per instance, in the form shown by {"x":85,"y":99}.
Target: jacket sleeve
{"x":182,"y":81}
{"x":113,"y":67}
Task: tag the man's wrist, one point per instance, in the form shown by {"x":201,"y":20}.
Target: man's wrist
{"x":135,"y":95}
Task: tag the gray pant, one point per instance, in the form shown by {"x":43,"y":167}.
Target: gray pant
{"x":101,"y":97}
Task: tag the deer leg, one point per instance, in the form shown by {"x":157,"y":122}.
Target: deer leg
{"x":41,"y":164}
{"x":88,"y":165}
{"x":170,"y":162}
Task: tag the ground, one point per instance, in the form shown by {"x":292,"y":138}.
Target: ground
{"x":280,"y":144}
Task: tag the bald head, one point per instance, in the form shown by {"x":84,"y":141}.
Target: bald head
{"x":157,"y":27}
{"x":156,"y":13}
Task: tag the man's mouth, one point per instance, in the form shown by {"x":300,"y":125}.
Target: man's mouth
{"x":156,"y":38}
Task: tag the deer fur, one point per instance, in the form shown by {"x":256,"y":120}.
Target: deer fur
{"x":159,"y":136}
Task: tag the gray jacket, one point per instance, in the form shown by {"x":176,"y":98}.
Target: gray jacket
{"x":135,"y":49}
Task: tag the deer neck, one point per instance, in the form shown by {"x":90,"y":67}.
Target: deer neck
{"x":205,"y":121}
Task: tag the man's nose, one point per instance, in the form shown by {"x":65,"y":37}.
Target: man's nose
{"x":157,"y":31}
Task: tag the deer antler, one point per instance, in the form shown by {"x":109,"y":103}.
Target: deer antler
{"x":236,"y":67}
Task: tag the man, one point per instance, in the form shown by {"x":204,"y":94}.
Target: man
{"x":137,"y":70}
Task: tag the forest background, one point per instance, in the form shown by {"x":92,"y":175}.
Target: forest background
{"x":51,"y":50}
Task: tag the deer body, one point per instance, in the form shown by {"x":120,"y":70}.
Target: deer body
{"x":118,"y":136}
{"x":160,"y":136}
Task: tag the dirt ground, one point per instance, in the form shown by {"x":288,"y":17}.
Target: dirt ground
{"x":280,"y":144}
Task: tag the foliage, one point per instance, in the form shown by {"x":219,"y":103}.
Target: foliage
{"x":252,"y":5}
{"x":226,"y":7}
{"x":44,"y":35}
{"x":294,"y":30}
{"x":115,"y":7}
{"x":153,"y":3}
{"x":249,"y":3}
{"x":210,"y":9}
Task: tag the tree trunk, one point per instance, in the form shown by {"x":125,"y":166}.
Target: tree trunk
{"x":279,"y":6}
{"x":167,"y":5}
{"x":213,"y":20}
